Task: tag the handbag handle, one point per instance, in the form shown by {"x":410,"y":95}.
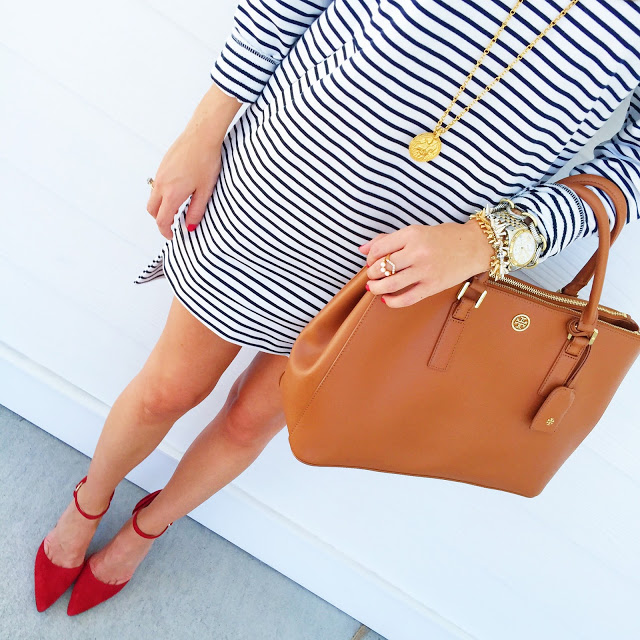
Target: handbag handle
{"x":597,"y":265}
{"x":575,"y":182}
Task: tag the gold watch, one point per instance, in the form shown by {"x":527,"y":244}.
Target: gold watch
{"x":516,"y":237}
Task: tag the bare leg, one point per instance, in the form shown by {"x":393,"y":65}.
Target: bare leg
{"x":183,"y":368}
{"x":251,"y":416}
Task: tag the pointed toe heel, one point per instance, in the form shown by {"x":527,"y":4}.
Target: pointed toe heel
{"x":88,"y":590}
{"x":52,"y":580}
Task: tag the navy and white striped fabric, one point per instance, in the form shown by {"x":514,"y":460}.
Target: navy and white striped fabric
{"x":317,"y":163}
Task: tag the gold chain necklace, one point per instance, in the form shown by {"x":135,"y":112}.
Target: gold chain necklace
{"x":427,"y":145}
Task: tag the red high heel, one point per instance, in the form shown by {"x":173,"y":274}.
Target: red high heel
{"x":88,"y":590}
{"x":52,"y":580}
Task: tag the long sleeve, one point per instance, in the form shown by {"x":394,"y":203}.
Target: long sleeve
{"x":263,"y":31}
{"x":563,"y":215}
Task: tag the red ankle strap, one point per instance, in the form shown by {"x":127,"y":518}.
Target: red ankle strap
{"x":140,"y":532}
{"x":84,"y":513}
{"x":141,"y":504}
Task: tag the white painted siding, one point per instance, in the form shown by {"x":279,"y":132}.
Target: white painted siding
{"x":91,"y":96}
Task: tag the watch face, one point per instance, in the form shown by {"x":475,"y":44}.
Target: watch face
{"x":523,"y":248}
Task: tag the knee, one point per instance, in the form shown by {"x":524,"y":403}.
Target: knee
{"x":245,"y":424}
{"x":163,"y":397}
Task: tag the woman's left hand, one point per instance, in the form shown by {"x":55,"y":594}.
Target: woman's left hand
{"x":428,"y":259}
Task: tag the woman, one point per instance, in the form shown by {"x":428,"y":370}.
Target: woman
{"x":372,"y":127}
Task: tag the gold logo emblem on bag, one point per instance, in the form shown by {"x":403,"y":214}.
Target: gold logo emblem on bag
{"x":521,"y":322}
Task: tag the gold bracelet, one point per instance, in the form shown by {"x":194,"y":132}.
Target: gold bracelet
{"x":485,"y":225}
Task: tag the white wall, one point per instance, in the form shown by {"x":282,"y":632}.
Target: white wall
{"x":91,"y":96}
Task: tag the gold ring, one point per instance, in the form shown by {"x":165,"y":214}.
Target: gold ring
{"x":387,"y":261}
{"x":150,"y":181}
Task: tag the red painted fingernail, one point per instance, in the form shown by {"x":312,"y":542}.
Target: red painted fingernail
{"x":368,"y":287}
{"x":383,"y":300}
{"x":191,"y":227}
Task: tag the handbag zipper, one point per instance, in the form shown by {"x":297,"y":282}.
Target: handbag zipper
{"x":510,"y":281}
{"x":565,"y":308}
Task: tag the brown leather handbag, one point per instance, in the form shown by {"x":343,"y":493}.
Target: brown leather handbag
{"x":493,"y":383}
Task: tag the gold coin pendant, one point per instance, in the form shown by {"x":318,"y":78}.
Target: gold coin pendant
{"x":425,"y":146}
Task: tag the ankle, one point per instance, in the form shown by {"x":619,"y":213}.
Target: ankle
{"x":147,"y":524}
{"x":89,"y":501}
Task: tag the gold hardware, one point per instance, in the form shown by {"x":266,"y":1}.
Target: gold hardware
{"x":464,"y":288}
{"x":461,"y":292}
{"x":521,"y":322}
{"x":592,"y":339}
{"x":426,"y":145}
{"x":550,"y":421}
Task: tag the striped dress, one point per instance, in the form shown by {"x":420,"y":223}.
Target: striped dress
{"x":317,"y":163}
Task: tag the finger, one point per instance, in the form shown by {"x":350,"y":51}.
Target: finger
{"x":407,"y":296}
{"x":196,"y":208}
{"x":367,"y":244}
{"x":398,"y":254}
{"x":166,"y":215}
{"x":153,"y":204}
{"x":395,"y":283}
{"x":379,"y":268}
{"x":388,"y":243}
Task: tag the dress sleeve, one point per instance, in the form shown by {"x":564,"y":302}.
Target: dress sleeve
{"x":263,"y":31}
{"x":564,"y":216}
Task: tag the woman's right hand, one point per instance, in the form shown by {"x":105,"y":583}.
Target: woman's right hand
{"x":192,"y":163}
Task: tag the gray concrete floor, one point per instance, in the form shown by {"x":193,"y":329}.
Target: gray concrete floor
{"x":192,"y":584}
